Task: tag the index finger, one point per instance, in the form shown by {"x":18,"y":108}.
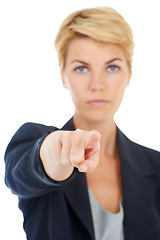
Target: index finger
{"x":92,"y":140}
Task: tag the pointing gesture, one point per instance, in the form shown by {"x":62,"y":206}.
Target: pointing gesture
{"x":61,"y":151}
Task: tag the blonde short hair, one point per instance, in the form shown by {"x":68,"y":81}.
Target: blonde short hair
{"x":101,"y":24}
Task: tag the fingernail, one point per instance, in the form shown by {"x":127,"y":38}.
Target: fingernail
{"x":83,"y":168}
{"x":93,"y":132}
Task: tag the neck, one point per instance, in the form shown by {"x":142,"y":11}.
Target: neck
{"x":108,"y":131}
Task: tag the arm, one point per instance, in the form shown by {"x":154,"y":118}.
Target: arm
{"x":28,"y":175}
{"x":25,"y":175}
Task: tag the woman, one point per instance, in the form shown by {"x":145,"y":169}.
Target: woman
{"x":87,"y":180}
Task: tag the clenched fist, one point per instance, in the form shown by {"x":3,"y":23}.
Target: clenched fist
{"x":61,"y":151}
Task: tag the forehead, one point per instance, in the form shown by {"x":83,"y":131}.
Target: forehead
{"x":88,"y":48}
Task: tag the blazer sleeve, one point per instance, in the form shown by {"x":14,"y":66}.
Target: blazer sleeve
{"x":24,"y":174}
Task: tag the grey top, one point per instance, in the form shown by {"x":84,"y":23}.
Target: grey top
{"x":106,"y":225}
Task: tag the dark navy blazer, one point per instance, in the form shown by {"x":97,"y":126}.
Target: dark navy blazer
{"x":61,"y":210}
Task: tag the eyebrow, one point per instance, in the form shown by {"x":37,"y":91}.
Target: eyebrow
{"x":110,"y":61}
{"x":79,"y":61}
{"x":114,"y":59}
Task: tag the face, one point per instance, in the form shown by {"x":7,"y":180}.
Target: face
{"x":96,"y":74}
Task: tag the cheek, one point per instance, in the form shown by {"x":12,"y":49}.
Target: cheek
{"x":120,"y":82}
{"x":117,"y":89}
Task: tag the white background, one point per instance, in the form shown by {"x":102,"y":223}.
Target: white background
{"x":31,"y":88}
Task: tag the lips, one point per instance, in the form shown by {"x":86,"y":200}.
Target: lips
{"x":97,"y":102}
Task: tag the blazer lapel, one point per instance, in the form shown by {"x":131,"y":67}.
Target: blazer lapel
{"x":138,"y":188}
{"x":77,"y":196}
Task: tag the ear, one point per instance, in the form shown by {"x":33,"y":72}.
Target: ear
{"x":63,"y":81}
{"x":65,"y":85}
{"x":129,"y":78}
{"x":127,"y":84}
{"x":62,"y":77}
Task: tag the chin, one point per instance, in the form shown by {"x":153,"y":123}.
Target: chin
{"x":98,"y":118}
{"x":95,"y":116}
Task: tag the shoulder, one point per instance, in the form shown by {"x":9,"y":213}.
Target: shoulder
{"x":28,"y":133}
{"x":148,"y":154}
{"x":135,"y":147}
{"x":34,"y":130}
{"x":138,"y":155}
{"x":145,"y":151}
{"x":31,"y":132}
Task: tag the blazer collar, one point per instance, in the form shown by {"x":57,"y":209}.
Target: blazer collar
{"x":138,"y":189}
{"x":77,"y":195}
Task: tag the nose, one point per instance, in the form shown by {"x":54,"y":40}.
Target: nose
{"x":97,"y":82}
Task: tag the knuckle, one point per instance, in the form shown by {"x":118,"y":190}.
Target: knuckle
{"x":65,"y":136}
{"x":56,"y":136}
{"x":75,"y":135}
{"x":76,"y":160}
{"x":78,"y":131}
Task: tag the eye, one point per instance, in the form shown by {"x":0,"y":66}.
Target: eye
{"x":81,"y":69}
{"x":113,"y":68}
